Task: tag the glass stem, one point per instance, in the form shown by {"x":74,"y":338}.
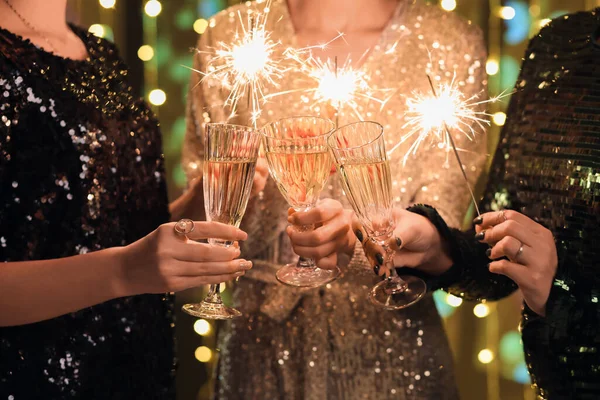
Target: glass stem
{"x":304,"y":262}
{"x":214,"y":295}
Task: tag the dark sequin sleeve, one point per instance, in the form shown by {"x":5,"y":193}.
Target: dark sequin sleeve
{"x":547,"y":167}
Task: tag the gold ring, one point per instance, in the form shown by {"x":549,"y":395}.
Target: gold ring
{"x":502,"y":216}
{"x":519,"y":252}
{"x":184,"y":226}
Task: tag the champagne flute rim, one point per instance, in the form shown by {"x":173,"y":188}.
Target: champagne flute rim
{"x":242,"y":127}
{"x":360,"y":145}
{"x":326,"y":134}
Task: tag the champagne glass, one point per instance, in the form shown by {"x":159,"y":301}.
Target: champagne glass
{"x":228,"y":174}
{"x":300,"y":163}
{"x":359,"y":153}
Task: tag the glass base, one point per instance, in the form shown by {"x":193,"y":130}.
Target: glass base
{"x":211,"y":310}
{"x":311,"y":277}
{"x":393,"y":295}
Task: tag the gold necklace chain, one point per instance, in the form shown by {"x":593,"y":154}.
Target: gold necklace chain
{"x":30,"y":26}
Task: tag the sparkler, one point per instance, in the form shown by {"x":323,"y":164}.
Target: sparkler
{"x":247,"y":64}
{"x":435,"y":116}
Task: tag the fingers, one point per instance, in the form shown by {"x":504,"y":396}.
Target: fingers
{"x":216,"y":230}
{"x":211,"y":268}
{"x":332,"y":231}
{"x":513,"y":249}
{"x":201,"y":252}
{"x":517,"y":272}
{"x":490,"y":219}
{"x":506,"y":228}
{"x":329,"y":262}
{"x":324,"y":211}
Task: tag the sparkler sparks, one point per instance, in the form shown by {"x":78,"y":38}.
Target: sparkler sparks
{"x":433,"y":116}
{"x":247,"y":64}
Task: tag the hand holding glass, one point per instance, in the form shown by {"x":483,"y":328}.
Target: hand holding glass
{"x":359,"y":154}
{"x":300,"y":163}
{"x":228,"y":173}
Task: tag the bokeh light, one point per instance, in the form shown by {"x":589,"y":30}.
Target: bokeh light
{"x":481,"y":310}
{"x":203,"y":354}
{"x":443,"y":308}
{"x":492,"y":67}
{"x":97,"y":30}
{"x":200,"y":26}
{"x":521,"y":374}
{"x":507,"y":12}
{"x":453,"y":300}
{"x":157,"y":97}
{"x":499,"y":118}
{"x":153,"y":8}
{"x":448,"y":5}
{"x":145,"y":52}
{"x":108,"y":3}
{"x":511,"y":348}
{"x":544,"y":22}
{"x":202,"y":327}
{"x":485,"y":356}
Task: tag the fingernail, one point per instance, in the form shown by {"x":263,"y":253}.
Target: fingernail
{"x":376,"y":270}
{"x":488,"y":266}
{"x":478,"y":221}
{"x":240,"y":273}
{"x":245,"y":264}
{"x":398,"y":242}
{"x":359,"y":235}
{"x":379,"y":258}
{"x":488,"y":252}
{"x":480,"y":235}
{"x":291,"y":220}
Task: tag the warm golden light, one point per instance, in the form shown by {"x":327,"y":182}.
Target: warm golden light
{"x":485,"y":356}
{"x":145,"y":53}
{"x":453,"y":300}
{"x":544,"y":22}
{"x":202,"y":327}
{"x":97,"y":30}
{"x":481,"y":310}
{"x":203,"y":354}
{"x":448,"y":5}
{"x":200,"y":26}
{"x":153,"y":8}
{"x":492,"y":67}
{"x":507,"y":13}
{"x":157,"y":97}
{"x":108,"y":3}
{"x":499,"y":118}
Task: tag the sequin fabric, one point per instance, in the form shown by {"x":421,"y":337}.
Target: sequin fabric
{"x":81,"y":169}
{"x":331,"y":343}
{"x":547,"y":166}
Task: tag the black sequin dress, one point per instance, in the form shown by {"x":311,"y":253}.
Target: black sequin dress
{"x":81,"y":169}
{"x":547,"y":166}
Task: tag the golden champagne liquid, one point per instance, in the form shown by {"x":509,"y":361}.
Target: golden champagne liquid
{"x":299,"y":175}
{"x":227,"y":187}
{"x":368,"y":187}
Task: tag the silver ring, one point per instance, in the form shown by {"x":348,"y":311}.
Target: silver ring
{"x":184,"y":226}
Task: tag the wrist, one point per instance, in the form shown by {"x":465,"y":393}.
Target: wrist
{"x":120,"y":285}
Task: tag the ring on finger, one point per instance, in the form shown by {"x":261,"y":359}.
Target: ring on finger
{"x":502,"y":217}
{"x":519,"y":252}
{"x":184,"y":226}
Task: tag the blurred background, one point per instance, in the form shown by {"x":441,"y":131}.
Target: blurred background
{"x":157,"y":38}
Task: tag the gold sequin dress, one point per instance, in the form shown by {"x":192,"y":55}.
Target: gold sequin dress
{"x":331,"y":343}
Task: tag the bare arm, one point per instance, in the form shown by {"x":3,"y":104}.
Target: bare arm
{"x":33,"y":291}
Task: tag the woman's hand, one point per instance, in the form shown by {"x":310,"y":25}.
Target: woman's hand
{"x":416,"y":243}
{"x":530,"y":249}
{"x":165,"y":261}
{"x":331,"y":237}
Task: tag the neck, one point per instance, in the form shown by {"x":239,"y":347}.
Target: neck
{"x":43,"y":15}
{"x":342,"y":15}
